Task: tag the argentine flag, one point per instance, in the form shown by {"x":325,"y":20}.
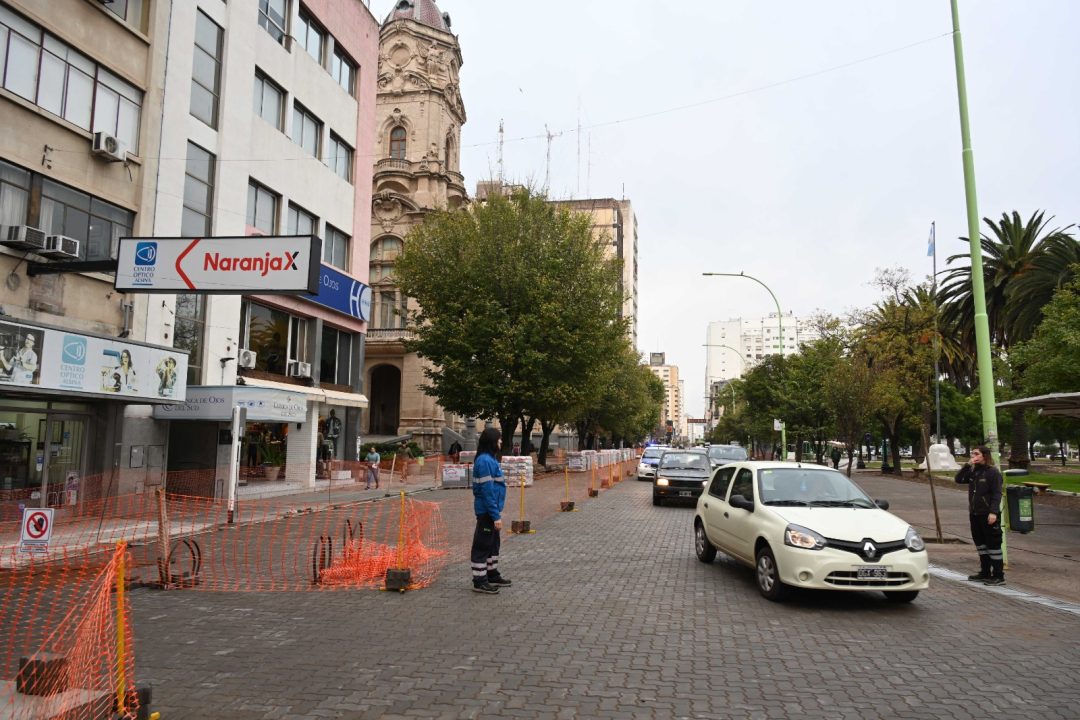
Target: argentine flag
{"x":930,"y":242}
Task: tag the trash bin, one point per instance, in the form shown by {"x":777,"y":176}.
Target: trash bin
{"x":1021,"y":508}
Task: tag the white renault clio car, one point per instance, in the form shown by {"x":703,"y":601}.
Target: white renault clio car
{"x":808,"y":526}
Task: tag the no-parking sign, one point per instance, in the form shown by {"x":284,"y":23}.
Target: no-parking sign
{"x":36,"y":531}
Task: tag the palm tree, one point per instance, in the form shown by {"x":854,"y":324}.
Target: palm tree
{"x":1019,"y":278}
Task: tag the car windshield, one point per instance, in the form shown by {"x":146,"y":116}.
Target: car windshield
{"x":652,"y":453}
{"x":729,"y":453}
{"x":684,"y":461}
{"x":810,"y":486}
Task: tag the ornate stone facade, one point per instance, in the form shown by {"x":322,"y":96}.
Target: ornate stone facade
{"x":419,"y":114}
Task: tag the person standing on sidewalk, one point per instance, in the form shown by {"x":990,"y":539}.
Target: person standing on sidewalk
{"x":984,"y":506}
{"x":372,"y":475}
{"x":489,"y":497}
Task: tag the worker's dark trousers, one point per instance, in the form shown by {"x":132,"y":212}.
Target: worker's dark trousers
{"x":988,"y":543}
{"x":485,"y":550}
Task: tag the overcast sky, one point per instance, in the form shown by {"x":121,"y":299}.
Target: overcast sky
{"x":805,"y":143}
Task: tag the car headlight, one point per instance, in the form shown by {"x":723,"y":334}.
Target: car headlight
{"x":642,"y":467}
{"x":800,"y":537}
{"x":913,"y":542}
{"x":662,"y":481}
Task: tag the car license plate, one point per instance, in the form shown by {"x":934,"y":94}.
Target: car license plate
{"x":872,"y":572}
{"x":685,"y":493}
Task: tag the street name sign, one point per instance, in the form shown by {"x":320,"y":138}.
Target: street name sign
{"x":275,"y":264}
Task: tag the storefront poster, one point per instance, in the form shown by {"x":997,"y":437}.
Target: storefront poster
{"x":59,"y":360}
{"x":215,"y":403}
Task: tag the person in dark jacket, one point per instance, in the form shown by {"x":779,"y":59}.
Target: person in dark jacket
{"x":489,"y":497}
{"x":984,"y":507}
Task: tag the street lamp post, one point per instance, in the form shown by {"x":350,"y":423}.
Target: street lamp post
{"x":780,"y":332}
{"x":742,"y":364}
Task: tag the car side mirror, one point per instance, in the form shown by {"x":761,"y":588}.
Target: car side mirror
{"x":883,"y":504}
{"x":738,"y":501}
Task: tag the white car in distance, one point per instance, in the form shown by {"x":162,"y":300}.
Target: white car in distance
{"x":807,"y":526}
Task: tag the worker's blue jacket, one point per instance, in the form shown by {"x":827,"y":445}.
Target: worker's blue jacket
{"x":488,"y":487}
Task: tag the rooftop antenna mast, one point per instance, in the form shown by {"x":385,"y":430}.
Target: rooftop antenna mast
{"x":588,"y":166}
{"x":578,"y":191}
{"x":500,"y":158}
{"x":547,"y":167}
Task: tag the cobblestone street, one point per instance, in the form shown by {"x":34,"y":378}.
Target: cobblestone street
{"x":610,"y":616}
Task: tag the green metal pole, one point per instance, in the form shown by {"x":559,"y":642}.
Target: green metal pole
{"x":780,"y":332}
{"x":978,"y":290}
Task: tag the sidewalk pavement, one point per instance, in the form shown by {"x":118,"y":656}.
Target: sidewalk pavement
{"x":1044,"y":562}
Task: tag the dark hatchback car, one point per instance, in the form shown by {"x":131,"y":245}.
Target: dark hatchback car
{"x":681,"y":475}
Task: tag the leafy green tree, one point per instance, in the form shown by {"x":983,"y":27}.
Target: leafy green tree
{"x":1015,"y":250}
{"x":516,"y":309}
{"x":1050,"y":357}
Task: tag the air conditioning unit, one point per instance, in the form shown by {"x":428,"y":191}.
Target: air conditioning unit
{"x":23,"y":237}
{"x":299,"y":369}
{"x":109,"y":147}
{"x":60,"y":246}
{"x":246,"y":359}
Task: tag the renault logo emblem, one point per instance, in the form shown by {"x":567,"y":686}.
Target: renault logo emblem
{"x":869,"y":549}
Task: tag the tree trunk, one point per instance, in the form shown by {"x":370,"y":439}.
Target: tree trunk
{"x":508,"y":425}
{"x":545,"y":442}
{"x":527,"y":425}
{"x":1018,"y":441}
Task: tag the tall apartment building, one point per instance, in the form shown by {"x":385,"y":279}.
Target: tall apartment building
{"x":78,"y":129}
{"x":193,"y":119}
{"x":734,"y":346}
{"x":269,"y":120}
{"x":673,"y":408}
{"x":615,"y":224}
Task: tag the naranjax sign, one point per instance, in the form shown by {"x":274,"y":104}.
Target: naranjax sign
{"x":280,"y":264}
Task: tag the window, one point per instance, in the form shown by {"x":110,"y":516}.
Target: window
{"x":306,"y":129}
{"x":397,"y":143}
{"x":206,"y":70}
{"x":14,"y":194}
{"x":391,"y":311}
{"x":116,"y":108}
{"x":30,"y":199}
{"x":343,"y":70}
{"x":310,"y":36}
{"x":262,"y":210}
{"x":198,"y":193}
{"x":267,"y":333}
{"x":336,"y":248}
{"x":269,"y":100}
{"x":130,"y":11}
{"x":62,"y":81}
{"x":272,"y":15}
{"x":189,"y":332}
{"x":298,"y":339}
{"x":97,"y":225}
{"x":301,"y":222}
{"x":339,"y":158}
{"x":335,"y":359}
{"x":743,"y":485}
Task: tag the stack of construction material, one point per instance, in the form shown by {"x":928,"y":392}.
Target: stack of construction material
{"x":456,"y":475}
{"x":466,"y":457}
{"x":575,"y":462}
{"x":517,"y":469}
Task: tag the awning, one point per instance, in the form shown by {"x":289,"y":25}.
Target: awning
{"x":336,"y":397}
{"x":1059,"y":404}
{"x":326,"y":395}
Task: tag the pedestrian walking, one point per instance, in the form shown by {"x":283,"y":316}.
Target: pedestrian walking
{"x":489,"y":497}
{"x":984,"y":505}
{"x":373,"y":459}
{"x":835,"y":455}
{"x":455,"y":451}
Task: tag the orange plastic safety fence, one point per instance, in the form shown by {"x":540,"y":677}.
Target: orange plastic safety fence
{"x":68,"y":651}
